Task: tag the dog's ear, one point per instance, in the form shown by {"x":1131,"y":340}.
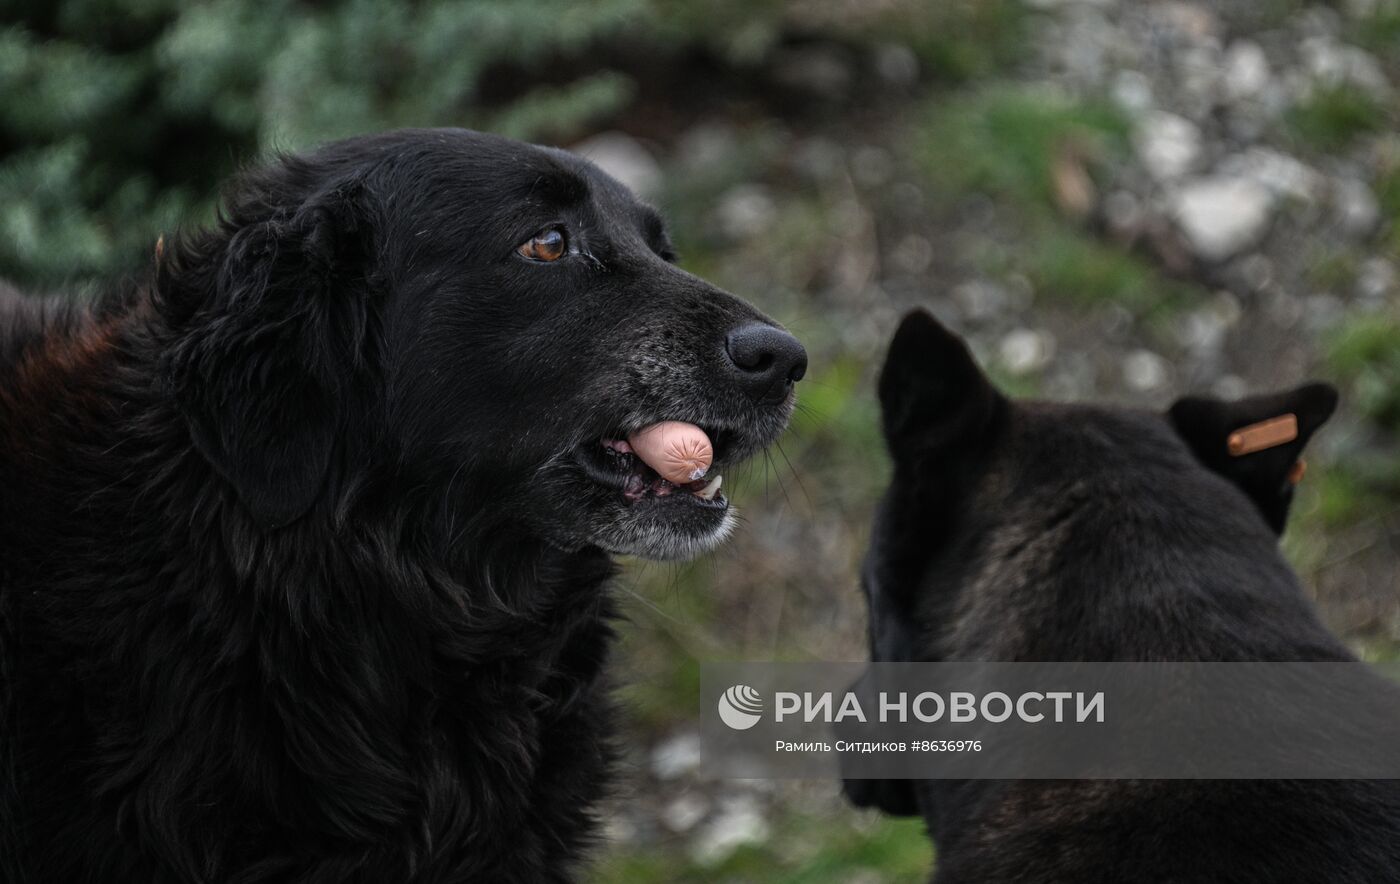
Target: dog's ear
{"x":259,"y":375}
{"x":933,"y":396}
{"x":1256,"y":442}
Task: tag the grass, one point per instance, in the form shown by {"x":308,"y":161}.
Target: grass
{"x":1333,"y":116}
{"x":1333,"y":271}
{"x":1388,"y":191}
{"x":1379,"y":31}
{"x":1388,"y":197}
{"x":1342,"y":499}
{"x":954,"y":40}
{"x":1363,"y":356}
{"x":802,"y":849}
{"x":1364,"y":352}
{"x":1004,"y":141}
{"x":1073,"y":268}
{"x":961,"y":40}
{"x":1261,"y":15}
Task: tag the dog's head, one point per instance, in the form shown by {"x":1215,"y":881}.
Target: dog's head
{"x":1000,"y":513}
{"x":469,"y":321}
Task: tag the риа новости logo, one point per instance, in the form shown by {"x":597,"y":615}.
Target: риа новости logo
{"x":740,"y":707}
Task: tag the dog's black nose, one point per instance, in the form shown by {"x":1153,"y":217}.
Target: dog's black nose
{"x":765,"y":359}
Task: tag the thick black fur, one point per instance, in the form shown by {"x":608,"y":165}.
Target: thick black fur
{"x":1030,"y":531}
{"x":304,"y":545}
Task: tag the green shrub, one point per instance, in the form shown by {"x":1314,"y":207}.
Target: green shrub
{"x":1005,"y":141}
{"x":1332,"y":116}
{"x":121,"y":116}
{"x":1364,"y":353}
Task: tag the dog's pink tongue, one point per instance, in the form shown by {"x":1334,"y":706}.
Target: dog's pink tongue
{"x":678,"y":451}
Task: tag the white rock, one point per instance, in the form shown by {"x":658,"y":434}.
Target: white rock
{"x":1227,"y":307}
{"x":1115,"y":321}
{"x":1123,"y":212}
{"x":1377,"y":281}
{"x":1282,"y":174}
{"x":1198,"y":73}
{"x":1318,"y":20}
{"x":1074,"y":377}
{"x":1364,"y":8}
{"x":745,"y":210}
{"x":1221,"y":216}
{"x":819,"y":158}
{"x":624,"y":158}
{"x":740,"y":821}
{"x":1168,"y":145}
{"x":1132,"y":90}
{"x":1356,"y":207}
{"x":1246,"y":69}
{"x":1257,"y":270}
{"x":1145,"y":371}
{"x":913,"y":254}
{"x":1025,"y":350}
{"x":897,"y":64}
{"x":705,"y":147}
{"x":1020,"y":292}
{"x":820,"y":70}
{"x":1193,"y":20}
{"x":1203,"y":331}
{"x":1334,"y":64}
{"x":979,"y":299}
{"x":618,"y":829}
{"x":677,"y":756}
{"x":1284,"y":310}
{"x":1321,"y":312}
{"x":682,"y":814}
{"x":1230,"y":386}
{"x":872,"y":165}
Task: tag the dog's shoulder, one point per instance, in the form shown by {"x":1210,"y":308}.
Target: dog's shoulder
{"x":24,"y":319}
{"x":54,"y":331}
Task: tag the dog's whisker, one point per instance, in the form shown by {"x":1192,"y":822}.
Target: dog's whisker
{"x":795,"y":475}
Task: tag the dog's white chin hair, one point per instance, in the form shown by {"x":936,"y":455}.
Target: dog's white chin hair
{"x":663,"y":543}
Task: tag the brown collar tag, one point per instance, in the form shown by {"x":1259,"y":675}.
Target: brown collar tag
{"x":1266,"y":434}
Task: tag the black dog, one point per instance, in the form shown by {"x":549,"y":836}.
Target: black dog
{"x":304,"y":545}
{"x":1022,"y":531}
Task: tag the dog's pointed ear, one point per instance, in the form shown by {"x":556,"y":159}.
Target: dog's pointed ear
{"x":1256,"y":442}
{"x":933,"y":395}
{"x":259,"y":374}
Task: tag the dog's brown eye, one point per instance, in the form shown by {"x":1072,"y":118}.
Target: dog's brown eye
{"x":547,"y":245}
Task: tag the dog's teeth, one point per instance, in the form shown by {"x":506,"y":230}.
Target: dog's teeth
{"x":711,"y":488}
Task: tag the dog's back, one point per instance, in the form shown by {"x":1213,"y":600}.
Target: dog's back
{"x":22,"y":323}
{"x":1045,"y":532}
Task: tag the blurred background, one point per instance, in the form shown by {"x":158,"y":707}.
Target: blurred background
{"x":1117,"y":200}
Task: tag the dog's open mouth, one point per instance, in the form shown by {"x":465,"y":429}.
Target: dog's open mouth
{"x":652,"y":485}
{"x":614,"y":462}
